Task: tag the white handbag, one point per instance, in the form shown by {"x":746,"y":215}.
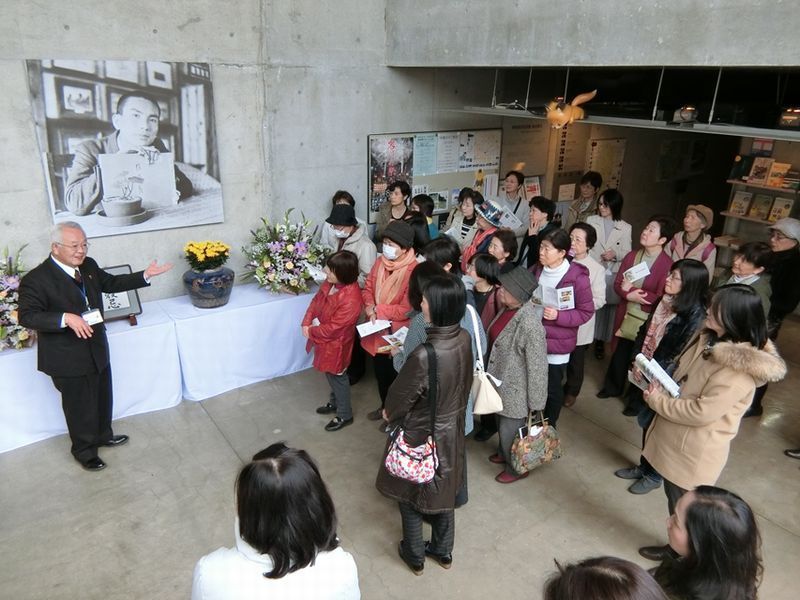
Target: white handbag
{"x":487,"y":400}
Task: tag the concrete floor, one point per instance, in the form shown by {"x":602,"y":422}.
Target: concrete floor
{"x":136,"y":529}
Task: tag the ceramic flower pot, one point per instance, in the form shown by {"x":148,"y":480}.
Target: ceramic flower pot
{"x":209,"y":289}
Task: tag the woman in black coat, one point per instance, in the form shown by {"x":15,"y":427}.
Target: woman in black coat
{"x":685,"y":298}
{"x":408,"y":405}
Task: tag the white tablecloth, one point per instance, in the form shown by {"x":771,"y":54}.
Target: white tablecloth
{"x":146,"y":374}
{"x":256,"y":336}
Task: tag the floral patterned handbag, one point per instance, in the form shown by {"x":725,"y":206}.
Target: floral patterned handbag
{"x":530,"y":451}
{"x":416,"y":464}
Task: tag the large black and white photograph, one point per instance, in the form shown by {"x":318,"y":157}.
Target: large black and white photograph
{"x":127,"y":146}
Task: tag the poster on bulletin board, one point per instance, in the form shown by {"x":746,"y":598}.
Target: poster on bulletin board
{"x":606,"y":157}
{"x":437,"y":163}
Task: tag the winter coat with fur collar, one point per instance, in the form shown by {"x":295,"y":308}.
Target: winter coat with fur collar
{"x":690,"y":437}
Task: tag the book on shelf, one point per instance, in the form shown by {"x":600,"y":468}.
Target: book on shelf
{"x":776,"y":174}
{"x":759,"y":208}
{"x":791,"y":181}
{"x":781,"y":208}
{"x":740,"y":203}
{"x":741,"y":167}
{"x":760,"y":170}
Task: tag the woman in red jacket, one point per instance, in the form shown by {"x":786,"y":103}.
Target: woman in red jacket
{"x":330,"y":326}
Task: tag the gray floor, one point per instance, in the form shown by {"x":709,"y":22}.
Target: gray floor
{"x":136,"y":529}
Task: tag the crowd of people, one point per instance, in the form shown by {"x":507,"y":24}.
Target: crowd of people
{"x":528,"y":304}
{"x":534,"y":301}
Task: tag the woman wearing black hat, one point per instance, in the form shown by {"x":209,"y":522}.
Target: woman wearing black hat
{"x":350,"y":235}
{"x":517,"y":357}
{"x":385,"y":296}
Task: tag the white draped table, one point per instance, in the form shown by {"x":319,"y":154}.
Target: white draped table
{"x":146,"y":373}
{"x":256,"y":336}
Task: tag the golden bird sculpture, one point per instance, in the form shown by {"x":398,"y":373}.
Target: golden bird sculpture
{"x":560,"y":114}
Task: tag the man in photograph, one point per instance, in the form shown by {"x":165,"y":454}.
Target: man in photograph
{"x":62,"y":300}
{"x":136,"y":122}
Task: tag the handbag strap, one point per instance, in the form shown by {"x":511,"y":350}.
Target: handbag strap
{"x":432,"y":383}
{"x":474,"y":314}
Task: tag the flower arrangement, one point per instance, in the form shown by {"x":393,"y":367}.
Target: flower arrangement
{"x":283,"y":255}
{"x":12,"y":334}
{"x":208,"y":255}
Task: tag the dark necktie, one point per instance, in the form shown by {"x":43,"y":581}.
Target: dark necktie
{"x":78,"y":278}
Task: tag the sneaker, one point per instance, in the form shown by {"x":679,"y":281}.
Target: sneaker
{"x":644,"y":486}
{"x":629,"y":473}
{"x":445,"y":560}
{"x":375,"y":414}
{"x":415,"y":568}
{"x":327,"y":409}
{"x":506,"y":477}
{"x":336,"y":424}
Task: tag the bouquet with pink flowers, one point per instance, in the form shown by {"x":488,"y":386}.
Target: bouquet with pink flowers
{"x":284,"y":256}
{"x":12,"y":334}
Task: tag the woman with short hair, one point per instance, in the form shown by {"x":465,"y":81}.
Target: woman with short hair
{"x":286,"y":544}
{"x":585,"y":205}
{"x":540,"y":223}
{"x":395,"y":208}
{"x":693,"y":241}
{"x":504,"y":248}
{"x":715,"y":548}
{"x":487,"y":222}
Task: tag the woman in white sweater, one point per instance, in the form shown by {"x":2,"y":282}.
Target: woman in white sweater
{"x":286,"y":544}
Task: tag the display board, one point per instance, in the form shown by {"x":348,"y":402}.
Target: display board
{"x":437,"y":163}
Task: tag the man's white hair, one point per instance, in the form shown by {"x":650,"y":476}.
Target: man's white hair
{"x":56,"y":235}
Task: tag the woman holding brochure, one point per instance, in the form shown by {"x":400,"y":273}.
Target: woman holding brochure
{"x":640,"y":283}
{"x":690,"y":437}
{"x":566,"y":293}
{"x":385,"y":296}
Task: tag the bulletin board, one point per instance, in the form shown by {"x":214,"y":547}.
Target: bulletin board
{"x":437,"y":163}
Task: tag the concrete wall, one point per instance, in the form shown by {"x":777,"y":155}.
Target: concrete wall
{"x":430,"y":33}
{"x":298,"y":86}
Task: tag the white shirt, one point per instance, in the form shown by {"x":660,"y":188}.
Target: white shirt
{"x":238,"y":574}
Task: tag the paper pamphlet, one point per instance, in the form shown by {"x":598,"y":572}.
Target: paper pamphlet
{"x":369,"y":327}
{"x":636,"y":272}
{"x":133,"y":176}
{"x":395,"y":340}
{"x":559,"y":298}
{"x":652,"y":371}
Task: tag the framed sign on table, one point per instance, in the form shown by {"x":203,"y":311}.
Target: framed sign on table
{"x":122,"y":304}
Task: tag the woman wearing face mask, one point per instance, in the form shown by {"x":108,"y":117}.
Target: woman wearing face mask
{"x":326,"y":234}
{"x":461,"y":224}
{"x":693,"y":241}
{"x":386,"y":297}
{"x":350,"y":235}
{"x":585,"y":205}
{"x":613,"y":244}
{"x":715,"y":548}
{"x":394,"y":209}
{"x":689,"y":439}
{"x":487,"y":222}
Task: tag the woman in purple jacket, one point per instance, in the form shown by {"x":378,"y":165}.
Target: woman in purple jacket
{"x":566,"y":294}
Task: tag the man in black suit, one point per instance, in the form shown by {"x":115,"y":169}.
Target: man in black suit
{"x":62,"y":300}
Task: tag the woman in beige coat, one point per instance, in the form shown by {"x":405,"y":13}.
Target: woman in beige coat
{"x":690,"y":437}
